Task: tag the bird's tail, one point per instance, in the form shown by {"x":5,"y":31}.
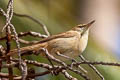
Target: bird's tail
{"x":29,"y":49}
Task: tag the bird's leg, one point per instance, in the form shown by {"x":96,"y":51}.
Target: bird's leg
{"x":73,"y":61}
{"x":59,"y":54}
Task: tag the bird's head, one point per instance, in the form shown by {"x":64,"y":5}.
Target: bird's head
{"x":83,"y":28}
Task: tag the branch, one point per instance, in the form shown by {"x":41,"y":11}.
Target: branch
{"x":27,"y":42}
{"x":5,"y":75}
{"x":8,"y":34}
{"x":35,"y":20}
{"x":68,"y":76}
{"x":100,"y":63}
{"x":31,"y":33}
{"x":97,"y":72}
{"x":24,"y":70}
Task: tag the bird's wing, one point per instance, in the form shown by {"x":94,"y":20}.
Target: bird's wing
{"x":62,"y":35}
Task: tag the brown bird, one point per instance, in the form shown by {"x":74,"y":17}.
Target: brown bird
{"x":71,"y":43}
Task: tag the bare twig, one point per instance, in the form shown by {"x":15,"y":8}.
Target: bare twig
{"x":94,"y":68}
{"x":31,"y":33}
{"x":100,"y":63}
{"x":27,"y":42}
{"x":9,"y":65}
{"x":80,"y":73}
{"x":35,"y":63}
{"x":3,"y":12}
{"x":68,"y":76}
{"x":35,"y":20}
{"x":17,"y":42}
{"x":8,"y":34}
{"x":24,"y":70}
{"x":5,"y":75}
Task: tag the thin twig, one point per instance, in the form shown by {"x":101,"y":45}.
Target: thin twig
{"x":24,"y":70}
{"x":35,"y":63}
{"x":8,"y":34}
{"x":94,"y":68}
{"x":5,"y":75}
{"x":80,"y":73}
{"x":27,"y":42}
{"x":31,"y":33}
{"x":35,"y":20}
{"x":68,"y":76}
{"x":9,"y":65}
{"x":17,"y":44}
{"x":3,"y":12}
{"x":100,"y":63}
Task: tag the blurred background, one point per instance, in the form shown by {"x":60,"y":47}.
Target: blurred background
{"x":62,"y":15}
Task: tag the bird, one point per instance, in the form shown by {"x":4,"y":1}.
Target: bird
{"x":68,"y":44}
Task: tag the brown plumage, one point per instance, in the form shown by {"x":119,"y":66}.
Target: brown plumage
{"x":70,"y":43}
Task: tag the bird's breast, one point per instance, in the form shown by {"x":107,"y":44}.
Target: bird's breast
{"x":83,"y":42}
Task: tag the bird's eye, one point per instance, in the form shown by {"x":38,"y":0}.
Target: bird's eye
{"x":81,"y":25}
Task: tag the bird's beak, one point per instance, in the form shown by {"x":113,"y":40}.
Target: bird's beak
{"x":86,"y":26}
{"x":89,"y":24}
